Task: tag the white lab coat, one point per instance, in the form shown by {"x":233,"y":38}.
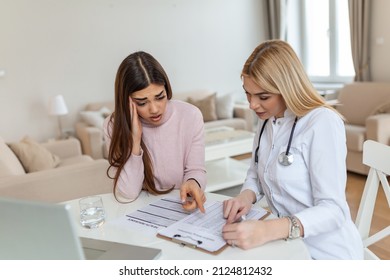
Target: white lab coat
{"x":312,"y":188}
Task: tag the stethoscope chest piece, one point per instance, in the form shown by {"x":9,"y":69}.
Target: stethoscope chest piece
{"x":286,"y":159}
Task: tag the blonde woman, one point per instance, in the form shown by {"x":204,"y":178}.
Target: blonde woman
{"x":298,"y":162}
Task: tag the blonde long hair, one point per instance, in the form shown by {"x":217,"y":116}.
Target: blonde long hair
{"x":276,"y":68}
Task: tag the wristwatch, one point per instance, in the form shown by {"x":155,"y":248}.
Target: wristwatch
{"x":295,"y":228}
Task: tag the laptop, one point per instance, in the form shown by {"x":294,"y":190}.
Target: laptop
{"x":37,"y":230}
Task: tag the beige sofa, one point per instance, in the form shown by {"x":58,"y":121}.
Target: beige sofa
{"x":73,"y":176}
{"x":217,"y":111}
{"x":366,"y":107}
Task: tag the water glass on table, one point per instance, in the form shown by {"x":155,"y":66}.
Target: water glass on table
{"x":92,"y":214}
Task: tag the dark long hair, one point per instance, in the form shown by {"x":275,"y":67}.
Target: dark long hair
{"x":136,"y":72}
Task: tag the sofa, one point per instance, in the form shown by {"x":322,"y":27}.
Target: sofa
{"x":55,"y":171}
{"x":366,"y":108}
{"x":217,"y":110}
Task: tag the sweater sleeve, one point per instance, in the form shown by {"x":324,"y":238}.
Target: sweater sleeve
{"x":194,"y":166}
{"x":130,"y":180}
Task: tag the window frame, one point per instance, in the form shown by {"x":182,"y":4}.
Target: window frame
{"x":333,"y":44}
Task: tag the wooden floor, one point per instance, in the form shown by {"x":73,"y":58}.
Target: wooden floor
{"x":381,"y":219}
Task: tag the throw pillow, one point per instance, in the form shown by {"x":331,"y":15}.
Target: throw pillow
{"x":9,"y":162}
{"x":33,"y":156}
{"x":225,"y":106}
{"x":207,"y":106}
{"x":95,"y":118}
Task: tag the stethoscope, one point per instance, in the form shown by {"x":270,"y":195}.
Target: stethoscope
{"x":285,"y":158}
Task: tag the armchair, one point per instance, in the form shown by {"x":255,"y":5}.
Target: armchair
{"x":89,"y":130}
{"x":366,"y":107}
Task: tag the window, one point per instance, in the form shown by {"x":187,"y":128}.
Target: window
{"x":319,"y":31}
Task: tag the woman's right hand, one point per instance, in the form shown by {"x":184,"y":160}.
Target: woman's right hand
{"x":235,"y":208}
{"x":136,"y":128}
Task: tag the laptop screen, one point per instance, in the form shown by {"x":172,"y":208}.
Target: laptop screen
{"x":37,"y":230}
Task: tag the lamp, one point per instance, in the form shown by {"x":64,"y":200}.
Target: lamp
{"x":57,"y":107}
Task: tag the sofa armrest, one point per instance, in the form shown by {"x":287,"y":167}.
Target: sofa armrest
{"x":59,"y":184}
{"x":64,"y":148}
{"x":243,"y":111}
{"x":91,"y":139}
{"x":378,"y":128}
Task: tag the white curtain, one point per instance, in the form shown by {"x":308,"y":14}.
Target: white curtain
{"x":359,"y":17}
{"x":277,"y":12}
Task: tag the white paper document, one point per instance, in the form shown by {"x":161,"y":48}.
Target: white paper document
{"x":157,"y":215}
{"x":204,"y":230}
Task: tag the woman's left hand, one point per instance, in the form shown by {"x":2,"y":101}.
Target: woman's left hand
{"x":191,"y":189}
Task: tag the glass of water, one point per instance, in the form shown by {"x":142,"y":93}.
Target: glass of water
{"x":92,"y":214}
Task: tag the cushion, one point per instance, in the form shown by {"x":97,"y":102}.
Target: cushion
{"x":75,"y":160}
{"x":9,"y":163}
{"x":33,"y":156}
{"x":95,"y":118}
{"x":195,"y":94}
{"x":225,"y":106}
{"x":207,"y":106}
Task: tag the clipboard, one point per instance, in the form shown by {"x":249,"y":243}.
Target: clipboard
{"x":190,"y":245}
{"x":203,"y":231}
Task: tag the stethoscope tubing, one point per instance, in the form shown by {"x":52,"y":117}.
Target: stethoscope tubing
{"x":283,"y":156}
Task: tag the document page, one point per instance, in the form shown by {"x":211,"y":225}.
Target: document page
{"x":159,"y":214}
{"x":152,"y":217}
{"x":204,"y":230}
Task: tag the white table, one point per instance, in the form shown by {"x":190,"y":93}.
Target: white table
{"x":111,"y":231}
{"x":221,"y":144}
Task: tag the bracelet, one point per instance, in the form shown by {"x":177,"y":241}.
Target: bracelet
{"x":295,"y":228}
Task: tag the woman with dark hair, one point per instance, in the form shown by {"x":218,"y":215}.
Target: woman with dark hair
{"x":154,"y":143}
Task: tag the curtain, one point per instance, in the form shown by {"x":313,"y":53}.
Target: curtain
{"x":359,"y":18}
{"x":276,"y":11}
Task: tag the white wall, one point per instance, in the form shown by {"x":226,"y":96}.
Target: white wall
{"x":74,"y":47}
{"x":380,"y":52}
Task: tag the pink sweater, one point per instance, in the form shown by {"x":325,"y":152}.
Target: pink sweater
{"x":176,"y":148}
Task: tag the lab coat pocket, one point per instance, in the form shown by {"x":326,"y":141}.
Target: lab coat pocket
{"x":291,"y":192}
{"x":292,"y":175}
